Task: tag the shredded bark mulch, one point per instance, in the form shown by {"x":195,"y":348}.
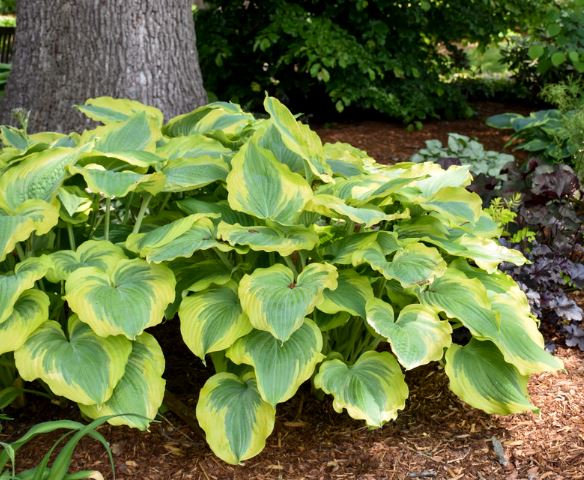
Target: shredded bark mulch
{"x":435,"y":437}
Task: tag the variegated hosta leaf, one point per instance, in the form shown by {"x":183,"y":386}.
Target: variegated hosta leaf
{"x":30,"y":311}
{"x":284,"y":240}
{"x":520,"y":340}
{"x":93,"y":253}
{"x":260,"y":185}
{"x":504,"y":320}
{"x":12,"y":286}
{"x":222,"y":208}
{"x":417,"y":337}
{"x":351,"y":295}
{"x":455,"y":204}
{"x":111,"y":110}
{"x":372,"y":389}
{"x":76,"y":204}
{"x":124,"y":300}
{"x":277,"y":303}
{"x":136,"y":133}
{"x":32,"y":216}
{"x":212,"y":320}
{"x":138,"y":161}
{"x":328,"y":322}
{"x":488,"y":254}
{"x":480,"y":376}
{"x":280,"y":367}
{"x":180,"y":238}
{"x":345,"y":160}
{"x":455,"y":176}
{"x":341,"y":251}
{"x":140,"y":391}
{"x":227,"y":117}
{"x":334,"y":207}
{"x":234,"y":417}
{"x":84,"y":367}
{"x":297,"y":138}
{"x":118,"y":184}
{"x":184,"y":174}
{"x":193,"y":146}
{"x":414,"y":264}
{"x":38,"y":176}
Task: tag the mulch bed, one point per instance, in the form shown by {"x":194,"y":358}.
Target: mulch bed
{"x":436,"y":436}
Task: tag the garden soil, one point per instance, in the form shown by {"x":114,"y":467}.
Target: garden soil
{"x":435,"y":437}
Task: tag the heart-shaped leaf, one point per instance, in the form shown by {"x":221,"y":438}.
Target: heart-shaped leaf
{"x":276,"y":302}
{"x":372,"y":389}
{"x":480,"y":376}
{"x":140,"y":391}
{"x":180,"y":238}
{"x":351,"y":295}
{"x":84,"y":367}
{"x":333,"y":207}
{"x":93,"y":253}
{"x":234,"y":417}
{"x":193,"y":146}
{"x":284,"y":240}
{"x":124,"y":300}
{"x":12,"y":286}
{"x":32,"y":216}
{"x":30,"y":311}
{"x":260,"y":185}
{"x":212,"y":320}
{"x":112,"y":110}
{"x":280,"y":367}
{"x":185,"y":174}
{"x":417,"y":337}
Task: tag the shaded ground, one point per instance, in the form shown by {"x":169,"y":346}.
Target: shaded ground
{"x":436,"y":436}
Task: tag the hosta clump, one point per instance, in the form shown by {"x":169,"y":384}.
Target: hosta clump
{"x":285,"y":259}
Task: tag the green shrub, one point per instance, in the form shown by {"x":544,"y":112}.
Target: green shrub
{"x":7,"y":6}
{"x":327,"y":56}
{"x":285,"y":260}
{"x":552,"y":48}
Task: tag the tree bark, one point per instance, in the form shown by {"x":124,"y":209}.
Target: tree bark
{"x":67,"y":51}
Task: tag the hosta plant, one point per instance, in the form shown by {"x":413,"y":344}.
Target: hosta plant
{"x":285,"y":261}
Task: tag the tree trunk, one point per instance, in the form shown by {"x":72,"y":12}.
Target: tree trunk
{"x":67,"y":51}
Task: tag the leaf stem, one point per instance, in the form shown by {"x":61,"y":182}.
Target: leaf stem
{"x":224,"y":258}
{"x":108,"y":206}
{"x":20,"y":252}
{"x":291,"y":265}
{"x":71,"y":235}
{"x":142,"y":212}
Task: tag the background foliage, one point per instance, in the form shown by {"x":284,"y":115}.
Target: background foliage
{"x":389,"y":56}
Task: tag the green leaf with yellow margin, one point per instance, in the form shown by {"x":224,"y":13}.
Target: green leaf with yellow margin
{"x":260,"y":185}
{"x":125,"y":299}
{"x":372,"y":389}
{"x":193,"y":146}
{"x":351,"y":295}
{"x":299,"y":139}
{"x":112,"y":110}
{"x":30,"y":311}
{"x":488,"y":254}
{"x":284,"y":240}
{"x":93,"y":253}
{"x":33,"y":216}
{"x":140,"y":391}
{"x":333,"y":207}
{"x":185,"y":174}
{"x":38,"y":176}
{"x":13,"y":285}
{"x":233,"y":415}
{"x":417,"y":337}
{"x":480,"y":376}
{"x":276,"y":302}
{"x":180,"y":238}
{"x":456,"y":204}
{"x":82,"y":366}
{"x":280,"y":367}
{"x":212,"y":320}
